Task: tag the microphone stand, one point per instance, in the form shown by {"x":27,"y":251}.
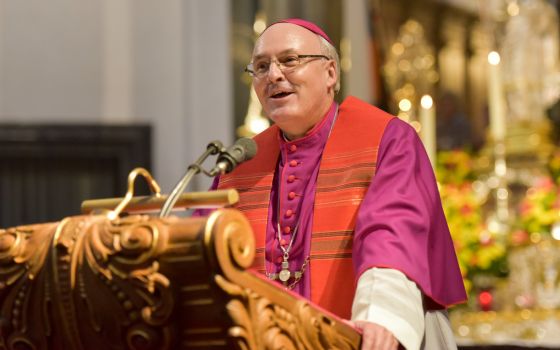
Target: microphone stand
{"x":214,"y":147}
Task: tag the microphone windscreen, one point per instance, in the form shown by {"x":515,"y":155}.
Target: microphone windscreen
{"x":250,"y":147}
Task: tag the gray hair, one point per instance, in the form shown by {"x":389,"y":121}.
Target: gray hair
{"x":330,"y":51}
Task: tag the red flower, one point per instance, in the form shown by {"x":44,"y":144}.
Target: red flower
{"x":466,"y":209}
{"x":519,"y":237}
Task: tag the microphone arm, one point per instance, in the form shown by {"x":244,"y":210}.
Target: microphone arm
{"x":214,"y":147}
{"x":242,"y":150}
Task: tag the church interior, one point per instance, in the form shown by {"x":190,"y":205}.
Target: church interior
{"x":90,"y":91}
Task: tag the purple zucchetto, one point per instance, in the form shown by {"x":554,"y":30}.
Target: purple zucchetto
{"x":305,"y":24}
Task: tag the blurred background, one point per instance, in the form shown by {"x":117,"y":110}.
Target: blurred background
{"x":90,"y":90}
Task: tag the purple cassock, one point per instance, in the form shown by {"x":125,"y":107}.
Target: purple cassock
{"x":400,"y":223}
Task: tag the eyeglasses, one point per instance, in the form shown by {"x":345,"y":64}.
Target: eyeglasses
{"x":286,"y":64}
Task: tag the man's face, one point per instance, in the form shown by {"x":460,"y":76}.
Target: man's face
{"x":296,"y":99}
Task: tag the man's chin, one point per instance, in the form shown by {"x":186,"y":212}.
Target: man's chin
{"x":278,"y":115}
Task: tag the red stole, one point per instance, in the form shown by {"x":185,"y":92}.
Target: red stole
{"x":347,"y":168}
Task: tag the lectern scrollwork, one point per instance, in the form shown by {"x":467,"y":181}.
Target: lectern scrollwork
{"x":141,"y":282}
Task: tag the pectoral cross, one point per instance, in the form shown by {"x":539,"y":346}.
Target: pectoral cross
{"x":285,"y":274}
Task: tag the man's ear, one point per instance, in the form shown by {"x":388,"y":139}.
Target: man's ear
{"x":331,"y":71}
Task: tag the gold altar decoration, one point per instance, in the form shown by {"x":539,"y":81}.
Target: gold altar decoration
{"x":410,"y":69}
{"x":254,"y":121}
{"x":530,"y":48}
{"x":521,"y":198}
{"x":529,"y":328}
{"x":522,"y":84}
{"x":526,"y":37}
{"x":141,"y":282}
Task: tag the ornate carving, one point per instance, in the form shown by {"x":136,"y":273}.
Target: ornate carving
{"x":261,"y":324}
{"x":21,"y":258}
{"x":141,"y":282}
{"x":265,"y":316}
{"x":90,"y":259}
{"x":124,"y":253}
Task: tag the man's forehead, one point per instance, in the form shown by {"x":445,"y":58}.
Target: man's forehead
{"x":285,"y":37}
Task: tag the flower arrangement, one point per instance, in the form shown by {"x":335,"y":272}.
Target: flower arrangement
{"x":538,"y":211}
{"x":455,"y":167}
{"x":478,"y":250}
{"x":482,"y":253}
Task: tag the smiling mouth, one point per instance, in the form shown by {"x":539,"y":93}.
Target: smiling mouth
{"x":280,"y":94}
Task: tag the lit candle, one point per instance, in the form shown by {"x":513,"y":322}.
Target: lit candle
{"x":496,"y":99}
{"x":428,"y":126}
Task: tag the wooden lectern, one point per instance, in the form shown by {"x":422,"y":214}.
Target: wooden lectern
{"x":140,"y":282}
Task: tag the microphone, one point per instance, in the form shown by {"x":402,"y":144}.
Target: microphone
{"x":213,"y":147}
{"x":242,"y":150}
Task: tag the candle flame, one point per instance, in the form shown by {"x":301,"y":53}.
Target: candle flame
{"x":405,"y":105}
{"x":426,"y":102}
{"x":494,"y":58}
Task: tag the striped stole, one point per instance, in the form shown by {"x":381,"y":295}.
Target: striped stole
{"x":347,"y":168}
{"x":253,"y":181}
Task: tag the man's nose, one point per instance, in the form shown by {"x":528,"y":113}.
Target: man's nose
{"x":274,"y":71}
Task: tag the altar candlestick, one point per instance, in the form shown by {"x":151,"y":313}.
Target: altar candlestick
{"x":428,"y":126}
{"x":496,"y":100}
